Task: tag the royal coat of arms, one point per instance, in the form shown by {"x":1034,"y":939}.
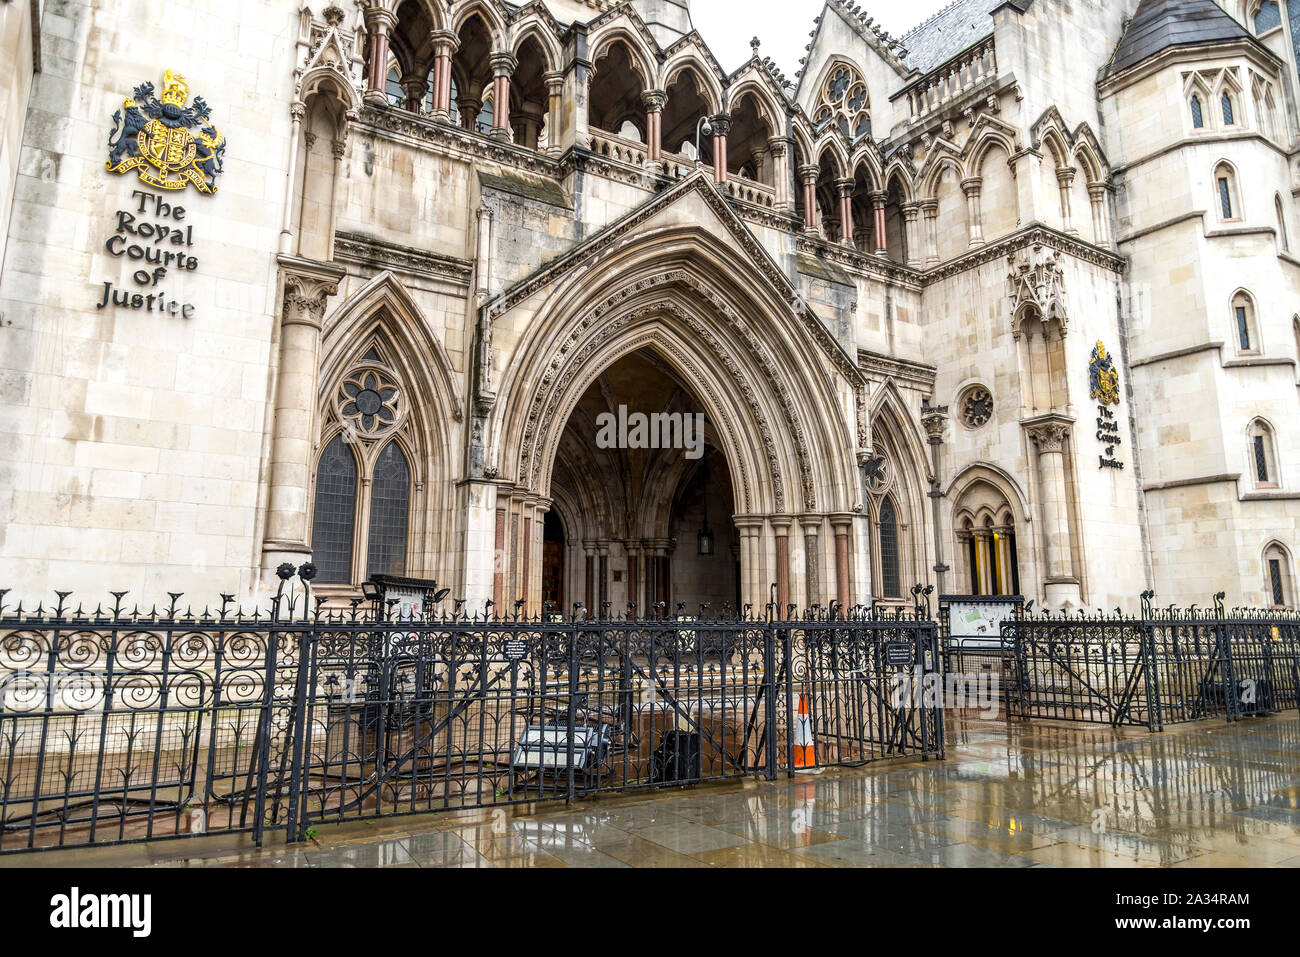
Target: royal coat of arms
{"x":169,"y":144}
{"x":1103,"y":376}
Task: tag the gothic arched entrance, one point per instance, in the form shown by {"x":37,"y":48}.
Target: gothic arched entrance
{"x":653,"y":493}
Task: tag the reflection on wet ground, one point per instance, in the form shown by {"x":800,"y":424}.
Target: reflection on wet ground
{"x":1008,"y":795}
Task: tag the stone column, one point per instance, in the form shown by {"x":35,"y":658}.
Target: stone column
{"x":842,"y":524}
{"x":602,"y":574}
{"x":878,"y":199}
{"x":589,"y":578}
{"x":1050,"y":437}
{"x":653,"y":101}
{"x":503,"y":65}
{"x":812,"y":526}
{"x":1100,"y":214}
{"x":297,"y":112}
{"x":415,"y":89}
{"x":930,"y":209}
{"x":554,"y":111}
{"x":844,"y":187}
{"x":499,"y":558}
{"x":633,"y":549}
{"x":445,"y":44}
{"x":752,"y":588}
{"x":808,"y":178}
{"x":1065,"y":179}
{"x":974,"y":214}
{"x":911,"y":217}
{"x":782,"y":179}
{"x":307,"y":288}
{"x":935,"y":419}
{"x":469,"y":103}
{"x":721,"y":127}
{"x":781,"y":529}
{"x":379,"y":24}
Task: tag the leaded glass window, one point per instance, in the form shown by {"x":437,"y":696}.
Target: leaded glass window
{"x":1268,"y":16}
{"x":1243,"y":329}
{"x":390,"y":505}
{"x":1275,"y":581}
{"x":1198,"y":115}
{"x":1228,"y":112}
{"x":334,"y":523}
{"x":890,"y":585}
{"x":1225,"y":197}
{"x":1261,"y":459}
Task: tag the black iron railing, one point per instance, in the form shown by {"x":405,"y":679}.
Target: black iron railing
{"x":120,"y":724}
{"x":1163,"y":667}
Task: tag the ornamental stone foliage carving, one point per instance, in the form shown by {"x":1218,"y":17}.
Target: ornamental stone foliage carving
{"x":976,"y":407}
{"x":1050,"y":436}
{"x":1035,"y":279}
{"x":305,"y":298}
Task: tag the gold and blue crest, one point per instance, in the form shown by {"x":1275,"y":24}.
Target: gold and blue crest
{"x":1103,"y":376}
{"x":169,"y":145}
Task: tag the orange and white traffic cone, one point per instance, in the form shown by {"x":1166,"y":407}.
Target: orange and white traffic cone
{"x":805,"y":749}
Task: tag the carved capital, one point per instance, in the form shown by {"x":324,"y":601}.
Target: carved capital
{"x":1049,"y":436}
{"x":503,"y":63}
{"x":379,"y":19}
{"x":721,"y":124}
{"x":654,"y":100}
{"x":934,"y":420}
{"x":808,"y":175}
{"x":445,"y":43}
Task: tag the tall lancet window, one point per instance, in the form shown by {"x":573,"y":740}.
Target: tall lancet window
{"x":390,"y":503}
{"x":334,"y":524}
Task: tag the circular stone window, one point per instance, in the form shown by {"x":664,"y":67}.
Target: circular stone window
{"x":975,"y":407}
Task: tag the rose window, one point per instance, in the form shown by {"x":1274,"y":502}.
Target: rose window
{"x":368,"y":401}
{"x":976,"y":406}
{"x":844,"y":102}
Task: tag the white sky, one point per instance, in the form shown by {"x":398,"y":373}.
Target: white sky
{"x":783,"y":25}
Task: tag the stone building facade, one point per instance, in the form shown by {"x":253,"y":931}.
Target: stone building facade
{"x":1007,"y":305}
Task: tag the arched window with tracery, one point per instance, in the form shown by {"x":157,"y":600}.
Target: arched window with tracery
{"x":362,"y":509}
{"x":1198,"y":112}
{"x":845,"y":102}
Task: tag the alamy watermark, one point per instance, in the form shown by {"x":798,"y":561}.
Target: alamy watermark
{"x":978,"y":691}
{"x":656,"y":430}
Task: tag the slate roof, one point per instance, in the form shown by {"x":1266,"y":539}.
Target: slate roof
{"x":1160,"y":24}
{"x":953,"y":29}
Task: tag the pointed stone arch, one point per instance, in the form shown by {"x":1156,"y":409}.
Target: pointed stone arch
{"x":493,"y":13}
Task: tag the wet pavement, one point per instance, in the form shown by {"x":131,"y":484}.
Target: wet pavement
{"x":1008,"y":795}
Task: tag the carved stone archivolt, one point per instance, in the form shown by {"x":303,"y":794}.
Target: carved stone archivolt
{"x":597,"y":330}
